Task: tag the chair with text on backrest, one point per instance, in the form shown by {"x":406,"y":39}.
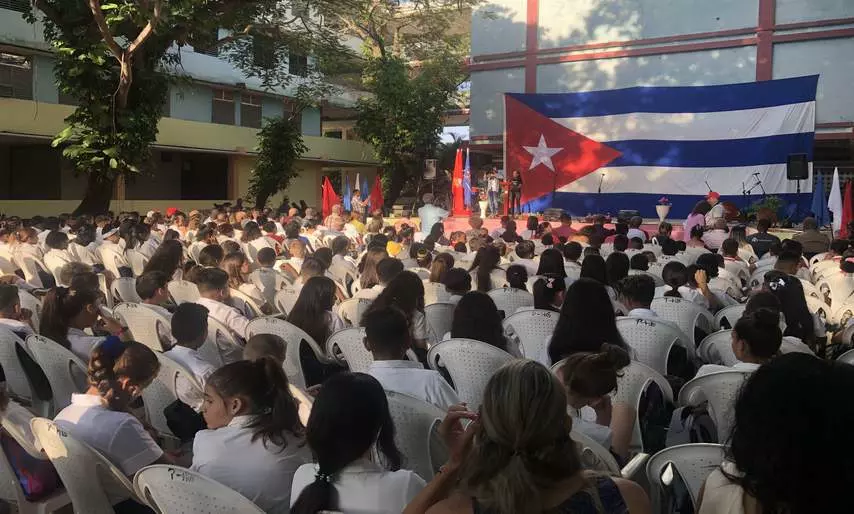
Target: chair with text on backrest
{"x":169,"y":489}
{"x":440,"y":318}
{"x":145,"y":324}
{"x":350,"y":344}
{"x":123,"y":289}
{"x":92,"y":482}
{"x":415,"y":432}
{"x":688,"y":316}
{"x":509,"y":300}
{"x":245,"y":303}
{"x":294,"y":337}
{"x":470,"y":364}
{"x":65,"y":372}
{"x":183,"y":291}
{"x":652,"y":340}
{"x":286,"y":298}
{"x":721,"y":390}
{"x":532,"y":330}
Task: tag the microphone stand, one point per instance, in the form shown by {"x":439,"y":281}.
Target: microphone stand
{"x":601,"y":179}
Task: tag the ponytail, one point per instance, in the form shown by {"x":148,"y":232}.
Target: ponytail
{"x":59,"y":306}
{"x":591,"y":375}
{"x":264,"y":387}
{"x":760,"y":329}
{"x":674,"y":275}
{"x":442,"y":263}
{"x":114,"y":359}
{"x":545,"y":289}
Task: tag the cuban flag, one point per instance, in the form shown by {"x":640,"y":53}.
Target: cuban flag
{"x":602,"y":151}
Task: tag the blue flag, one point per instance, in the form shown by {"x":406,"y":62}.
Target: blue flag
{"x":819,"y":202}
{"x":366,"y":189}
{"x":467,"y":182}
{"x":348,"y":195}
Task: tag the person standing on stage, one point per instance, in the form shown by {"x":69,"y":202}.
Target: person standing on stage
{"x":357,"y":205}
{"x":717,"y":209}
{"x":493,"y":191}
{"x":516,"y":193}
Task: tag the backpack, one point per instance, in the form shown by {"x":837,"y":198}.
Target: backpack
{"x":654,"y":414}
{"x":691,"y":424}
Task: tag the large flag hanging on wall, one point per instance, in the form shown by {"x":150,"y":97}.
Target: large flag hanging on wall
{"x":602,"y":151}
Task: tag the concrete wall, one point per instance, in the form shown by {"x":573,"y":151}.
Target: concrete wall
{"x":793,"y":11}
{"x":487,"y":99}
{"x":498,"y":26}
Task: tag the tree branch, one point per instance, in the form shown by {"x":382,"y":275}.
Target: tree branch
{"x":98,"y":14}
{"x":147,"y":31}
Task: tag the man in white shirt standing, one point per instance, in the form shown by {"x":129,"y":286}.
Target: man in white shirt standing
{"x":717,"y":211}
{"x":387,"y":338}
{"x":493,"y":190}
{"x":430,"y":214}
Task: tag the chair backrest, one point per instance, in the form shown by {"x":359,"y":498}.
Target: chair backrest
{"x":145,"y":324}
{"x":17,"y":382}
{"x":183,"y":291}
{"x":415,"y":432}
{"x":170,"y":489}
{"x":352,"y":310}
{"x":847,"y":357}
{"x":123,"y":289}
{"x":136,"y":260}
{"x":423,"y":273}
{"x":350,"y":344}
{"x":286,"y":298}
{"x":164,"y":390}
{"x":33,"y":304}
{"x":837,"y":287}
{"x":651,"y":340}
{"x":85,"y":473}
{"x":656,"y":269}
{"x":685,"y":314}
{"x":694,"y":462}
{"x":435,"y":292}
{"x":532,"y":330}
{"x":293,"y":336}
{"x":239,"y":297}
{"x":819,"y":308}
{"x":304,"y":403}
{"x":60,"y":367}
{"x":470,"y":363}
{"x":655,"y":278}
{"x":726,"y":317}
{"x":843,"y":312}
{"x":717,"y":349}
{"x":221,"y":346}
{"x":440,"y":317}
{"x":721,"y":390}
{"x":511,"y":300}
{"x":594,"y":456}
{"x":31,"y":267}
{"x":758,"y":276}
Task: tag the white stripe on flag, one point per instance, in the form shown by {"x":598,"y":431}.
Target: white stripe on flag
{"x":687,"y":181}
{"x":706,"y":126}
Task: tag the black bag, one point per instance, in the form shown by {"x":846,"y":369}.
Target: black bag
{"x":654,"y":412}
{"x":183,"y":421}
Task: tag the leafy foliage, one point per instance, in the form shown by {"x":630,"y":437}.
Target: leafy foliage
{"x":280,"y":147}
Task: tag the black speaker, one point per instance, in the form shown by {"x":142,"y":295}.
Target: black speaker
{"x":797,"y":167}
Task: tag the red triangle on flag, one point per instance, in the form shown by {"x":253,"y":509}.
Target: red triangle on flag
{"x":548,"y":155}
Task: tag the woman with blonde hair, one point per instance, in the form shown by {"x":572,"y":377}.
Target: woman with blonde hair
{"x":236,"y":266}
{"x":518,"y":458}
{"x":368,"y":267}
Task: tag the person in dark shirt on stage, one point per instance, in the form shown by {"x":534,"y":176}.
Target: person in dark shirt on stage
{"x":761,"y":241}
{"x":813,"y":241}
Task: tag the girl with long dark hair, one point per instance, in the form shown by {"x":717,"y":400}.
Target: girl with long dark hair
{"x":476,"y":317}
{"x":167,"y":259}
{"x":485,"y":269}
{"x":66,"y":313}
{"x":406,"y":292}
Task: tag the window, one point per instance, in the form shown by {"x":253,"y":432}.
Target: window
{"x":297,"y":64}
{"x":334,"y":134}
{"x":222,"y":110}
{"x":15,"y":5}
{"x":263,"y":52}
{"x":250,"y":110}
{"x":16,"y":76}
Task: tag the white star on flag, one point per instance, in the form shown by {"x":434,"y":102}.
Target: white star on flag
{"x":542,"y":154}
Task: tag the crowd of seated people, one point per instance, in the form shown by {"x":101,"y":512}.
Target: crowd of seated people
{"x":512,"y":454}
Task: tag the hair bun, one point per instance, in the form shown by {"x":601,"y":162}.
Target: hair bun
{"x":615,"y":355}
{"x":766,"y":316}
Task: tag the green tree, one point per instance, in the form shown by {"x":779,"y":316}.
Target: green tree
{"x":117,"y":59}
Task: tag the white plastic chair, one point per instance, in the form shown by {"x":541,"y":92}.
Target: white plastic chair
{"x":815,"y":259}
{"x":847,"y":357}
{"x":304,"y":403}
{"x":65,"y":372}
{"x":717,"y":349}
{"x":241,"y":299}
{"x":721,"y":390}
{"x":352,"y":310}
{"x":108,"y":295}
{"x":145,"y":324}
{"x":511,"y":300}
{"x":286,"y":299}
{"x":758,"y":276}
{"x":822,"y":268}
{"x":278,"y":280}
{"x":594,"y":456}
{"x":137,"y":261}
{"x":809,"y":288}
{"x":293,"y":337}
{"x":349,"y":343}
{"x":818,"y":307}
{"x":843,"y":312}
{"x":123,"y":289}
{"x":657,"y":279}
{"x":470,"y":363}
{"x":531,"y":330}
{"x":221,"y":346}
{"x":183,"y":291}
{"x":33,"y":304}
{"x":685,"y":314}
{"x":85,"y":473}
{"x":415,"y":432}
{"x":694,"y":463}
{"x":172,"y":489}
{"x":435,"y":292}
{"x":728,"y":316}
{"x":440,"y":318}
{"x":31,"y":267}
{"x":423,"y":273}
{"x":652,"y":340}
{"x":164,"y":390}
{"x":17,"y":383}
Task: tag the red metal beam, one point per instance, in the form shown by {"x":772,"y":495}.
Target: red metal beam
{"x":814,"y":36}
{"x":764,"y":40}
{"x":637,"y":52}
{"x":532,"y":44}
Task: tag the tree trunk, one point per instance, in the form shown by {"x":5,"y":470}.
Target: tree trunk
{"x":396,"y":182}
{"x":262,"y":196}
{"x":99,"y":192}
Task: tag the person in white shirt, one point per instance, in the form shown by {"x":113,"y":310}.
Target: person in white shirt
{"x":213,"y":289}
{"x":635,"y":229}
{"x":118,"y":372}
{"x":350,"y":416}
{"x":313,"y":313}
{"x":342,"y":265}
{"x":756,"y":339}
{"x":26,"y":246}
{"x":66,"y":313}
{"x":190,"y":330}
{"x":406,"y":292}
{"x":525,"y":253}
{"x":732,"y":262}
{"x":387,"y":269}
{"x":430,"y":214}
{"x":636,"y":292}
{"x":84,"y":248}
{"x":113,"y":255}
{"x":236,"y":265}
{"x":255,"y":441}
{"x":265,"y":278}
{"x":152,"y":290}
{"x":387,"y":338}
{"x":715,"y":237}
{"x":57,"y":254}
{"x":12,"y":316}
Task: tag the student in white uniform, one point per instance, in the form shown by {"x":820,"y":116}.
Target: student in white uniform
{"x":255,"y":441}
{"x":57,"y":254}
{"x":756,"y":338}
{"x":387,"y":269}
{"x":406,"y":292}
{"x":349,"y":417}
{"x":190,"y":329}
{"x":152,"y":290}
{"x":118,"y":372}
{"x":213,"y":289}
{"x":12,"y":316}
{"x":590,"y":378}
{"x":313,"y":313}
{"x":66,"y":313}
{"x":387,"y":338}
{"x":112,"y":254}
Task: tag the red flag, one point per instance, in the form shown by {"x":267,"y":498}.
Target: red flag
{"x":376,"y":198}
{"x":847,"y":211}
{"x":329,"y":197}
{"x":457,"y":188}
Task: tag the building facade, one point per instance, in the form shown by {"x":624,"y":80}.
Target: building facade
{"x":207,"y":140}
{"x":552,"y":46}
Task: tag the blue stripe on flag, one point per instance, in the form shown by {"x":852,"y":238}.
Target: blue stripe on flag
{"x":712,"y":154}
{"x":728,"y":97}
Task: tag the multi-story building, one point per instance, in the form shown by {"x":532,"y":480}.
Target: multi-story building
{"x":552,"y":46}
{"x":207,"y":140}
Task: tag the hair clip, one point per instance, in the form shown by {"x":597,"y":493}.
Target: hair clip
{"x":323,"y":477}
{"x":550,"y":282}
